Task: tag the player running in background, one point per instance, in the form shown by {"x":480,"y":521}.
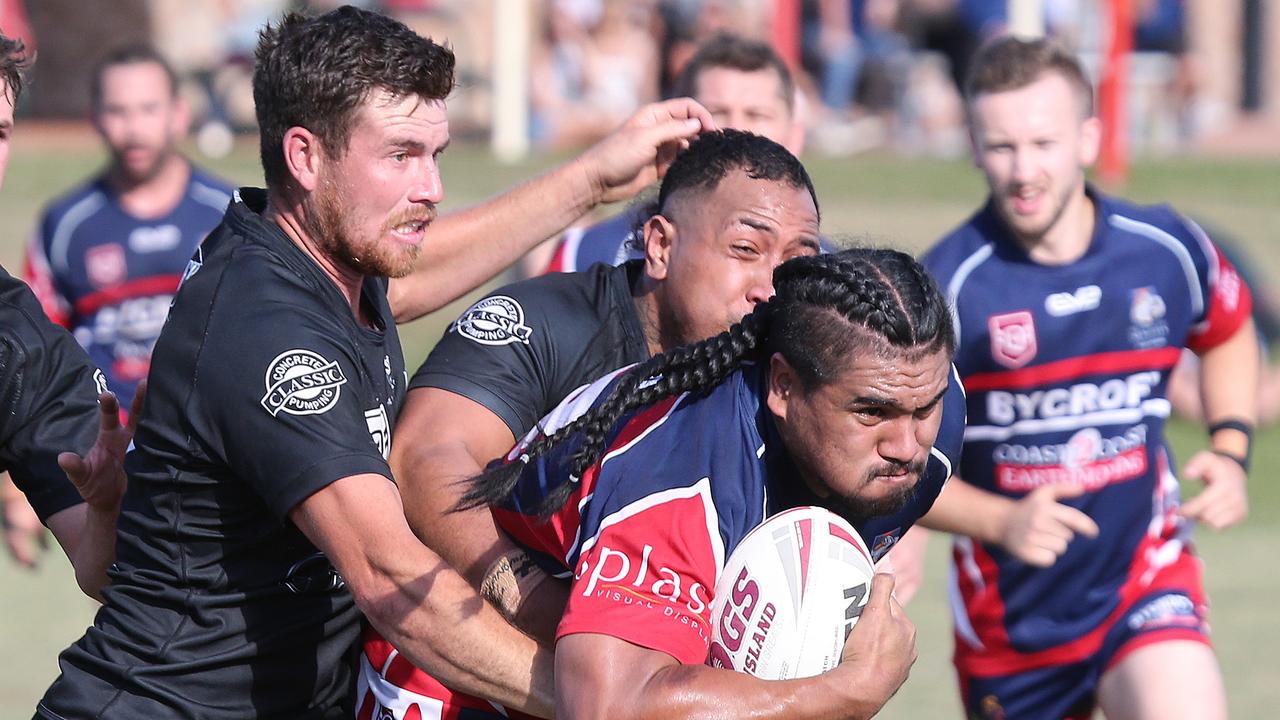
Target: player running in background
{"x":107,"y":256}
{"x":731,"y":208}
{"x":1075,"y":577}
{"x":48,"y":412}
{"x":831,"y":393}
{"x":745,"y":86}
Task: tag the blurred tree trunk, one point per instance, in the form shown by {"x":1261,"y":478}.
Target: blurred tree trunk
{"x":72,"y":35}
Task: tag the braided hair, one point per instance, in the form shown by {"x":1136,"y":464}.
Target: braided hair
{"x":825,"y":308}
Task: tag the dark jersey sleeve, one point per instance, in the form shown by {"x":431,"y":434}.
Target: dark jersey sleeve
{"x":285,"y":398}
{"x":505,"y":353}
{"x":48,"y":394}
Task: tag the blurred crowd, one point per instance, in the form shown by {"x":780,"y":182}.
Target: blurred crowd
{"x":870,"y":73}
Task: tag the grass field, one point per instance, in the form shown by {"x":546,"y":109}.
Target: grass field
{"x":906,"y":202}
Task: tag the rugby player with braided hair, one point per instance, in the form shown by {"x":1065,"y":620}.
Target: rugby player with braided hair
{"x":836,"y":392}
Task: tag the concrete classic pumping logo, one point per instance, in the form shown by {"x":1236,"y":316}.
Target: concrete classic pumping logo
{"x":300,"y":382}
{"x":496,"y":320}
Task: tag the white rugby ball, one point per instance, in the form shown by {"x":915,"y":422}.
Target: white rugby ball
{"x":788,"y":596}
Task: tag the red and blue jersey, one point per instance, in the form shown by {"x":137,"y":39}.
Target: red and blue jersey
{"x":645,"y":534}
{"x":1066,"y":369}
{"x":109,"y":277}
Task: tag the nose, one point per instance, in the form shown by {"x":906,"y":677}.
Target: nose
{"x":899,"y":442}
{"x":430,"y":187}
{"x":760,"y":287}
{"x":1023,"y":166}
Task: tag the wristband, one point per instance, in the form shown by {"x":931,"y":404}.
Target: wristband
{"x":1232,"y":424}
{"x":1243,"y":462}
{"x":1239,"y":426}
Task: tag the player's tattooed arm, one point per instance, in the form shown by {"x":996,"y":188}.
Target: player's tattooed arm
{"x":441,"y":440}
{"x":419,"y":603}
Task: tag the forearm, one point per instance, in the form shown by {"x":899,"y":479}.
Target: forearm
{"x":438,"y":622}
{"x":88,"y":537}
{"x":1229,"y":386}
{"x":963,"y":509}
{"x":464,"y":249}
{"x":700,"y":691}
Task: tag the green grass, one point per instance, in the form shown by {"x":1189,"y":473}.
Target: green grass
{"x":907,"y":202}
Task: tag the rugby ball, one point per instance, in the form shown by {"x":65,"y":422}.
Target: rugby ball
{"x":789,"y":595}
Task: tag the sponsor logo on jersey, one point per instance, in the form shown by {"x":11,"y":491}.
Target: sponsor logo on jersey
{"x":105,"y":265}
{"x":1005,"y":408}
{"x":881,"y":543}
{"x":99,"y":381}
{"x":619,"y":578}
{"x":155,"y":239}
{"x":1173,"y":610}
{"x":301,"y":382}
{"x":193,"y":266}
{"x":1148,"y":328}
{"x":379,"y":429}
{"x":495,"y":320}
{"x":1013,"y":338}
{"x":1082,"y":300}
{"x":1086,"y":458}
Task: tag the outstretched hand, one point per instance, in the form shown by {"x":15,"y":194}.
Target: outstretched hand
{"x":99,"y":475}
{"x":1040,"y":528}
{"x":638,"y":153}
{"x":1225,"y":499}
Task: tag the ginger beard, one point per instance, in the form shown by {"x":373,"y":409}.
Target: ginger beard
{"x":342,"y":238}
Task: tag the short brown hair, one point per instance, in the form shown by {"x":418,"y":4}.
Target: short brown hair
{"x":1008,"y":63}
{"x":315,"y":73}
{"x":130,"y":55}
{"x":736,"y":53}
{"x":13,"y":61}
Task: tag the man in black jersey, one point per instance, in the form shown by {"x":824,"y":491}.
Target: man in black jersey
{"x":261,"y":517}
{"x":731,"y":208}
{"x":48,"y":405}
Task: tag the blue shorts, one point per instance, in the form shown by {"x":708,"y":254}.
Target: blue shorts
{"x":1069,"y":690}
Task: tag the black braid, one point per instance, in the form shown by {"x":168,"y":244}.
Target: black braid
{"x":826,"y":309}
{"x":689,"y":368}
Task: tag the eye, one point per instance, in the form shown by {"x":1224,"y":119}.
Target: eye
{"x":400,"y":157}
{"x":745,"y":248}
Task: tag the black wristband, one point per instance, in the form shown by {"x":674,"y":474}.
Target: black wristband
{"x":1232,"y":424}
{"x":1243,"y":462}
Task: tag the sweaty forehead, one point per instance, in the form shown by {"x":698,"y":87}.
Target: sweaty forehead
{"x":911,"y":381}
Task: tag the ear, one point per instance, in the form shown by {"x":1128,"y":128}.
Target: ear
{"x":1090,"y":141}
{"x":783,"y":381}
{"x":303,"y":156}
{"x":659,"y":237}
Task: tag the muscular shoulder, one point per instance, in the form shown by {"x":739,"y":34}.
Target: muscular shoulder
{"x":209,"y":190}
{"x":1159,"y":225}
{"x":70,"y":210}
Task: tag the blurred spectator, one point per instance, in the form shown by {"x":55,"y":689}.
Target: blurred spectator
{"x":597,"y":66}
{"x":745,"y":86}
{"x":108,"y":256}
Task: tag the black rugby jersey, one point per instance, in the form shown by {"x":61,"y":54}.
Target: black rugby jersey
{"x":264,"y":389}
{"x":523,"y":348}
{"x":48,"y":399}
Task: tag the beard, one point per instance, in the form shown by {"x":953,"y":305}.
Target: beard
{"x":1018,"y":225}
{"x":136,"y":174}
{"x":858,"y":510}
{"x":329,"y":225}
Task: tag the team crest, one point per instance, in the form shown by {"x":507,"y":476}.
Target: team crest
{"x":1147,"y":328}
{"x":495,"y":320}
{"x":300,"y":382}
{"x":881,"y":543}
{"x":1013,"y":338}
{"x":105,"y":265}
